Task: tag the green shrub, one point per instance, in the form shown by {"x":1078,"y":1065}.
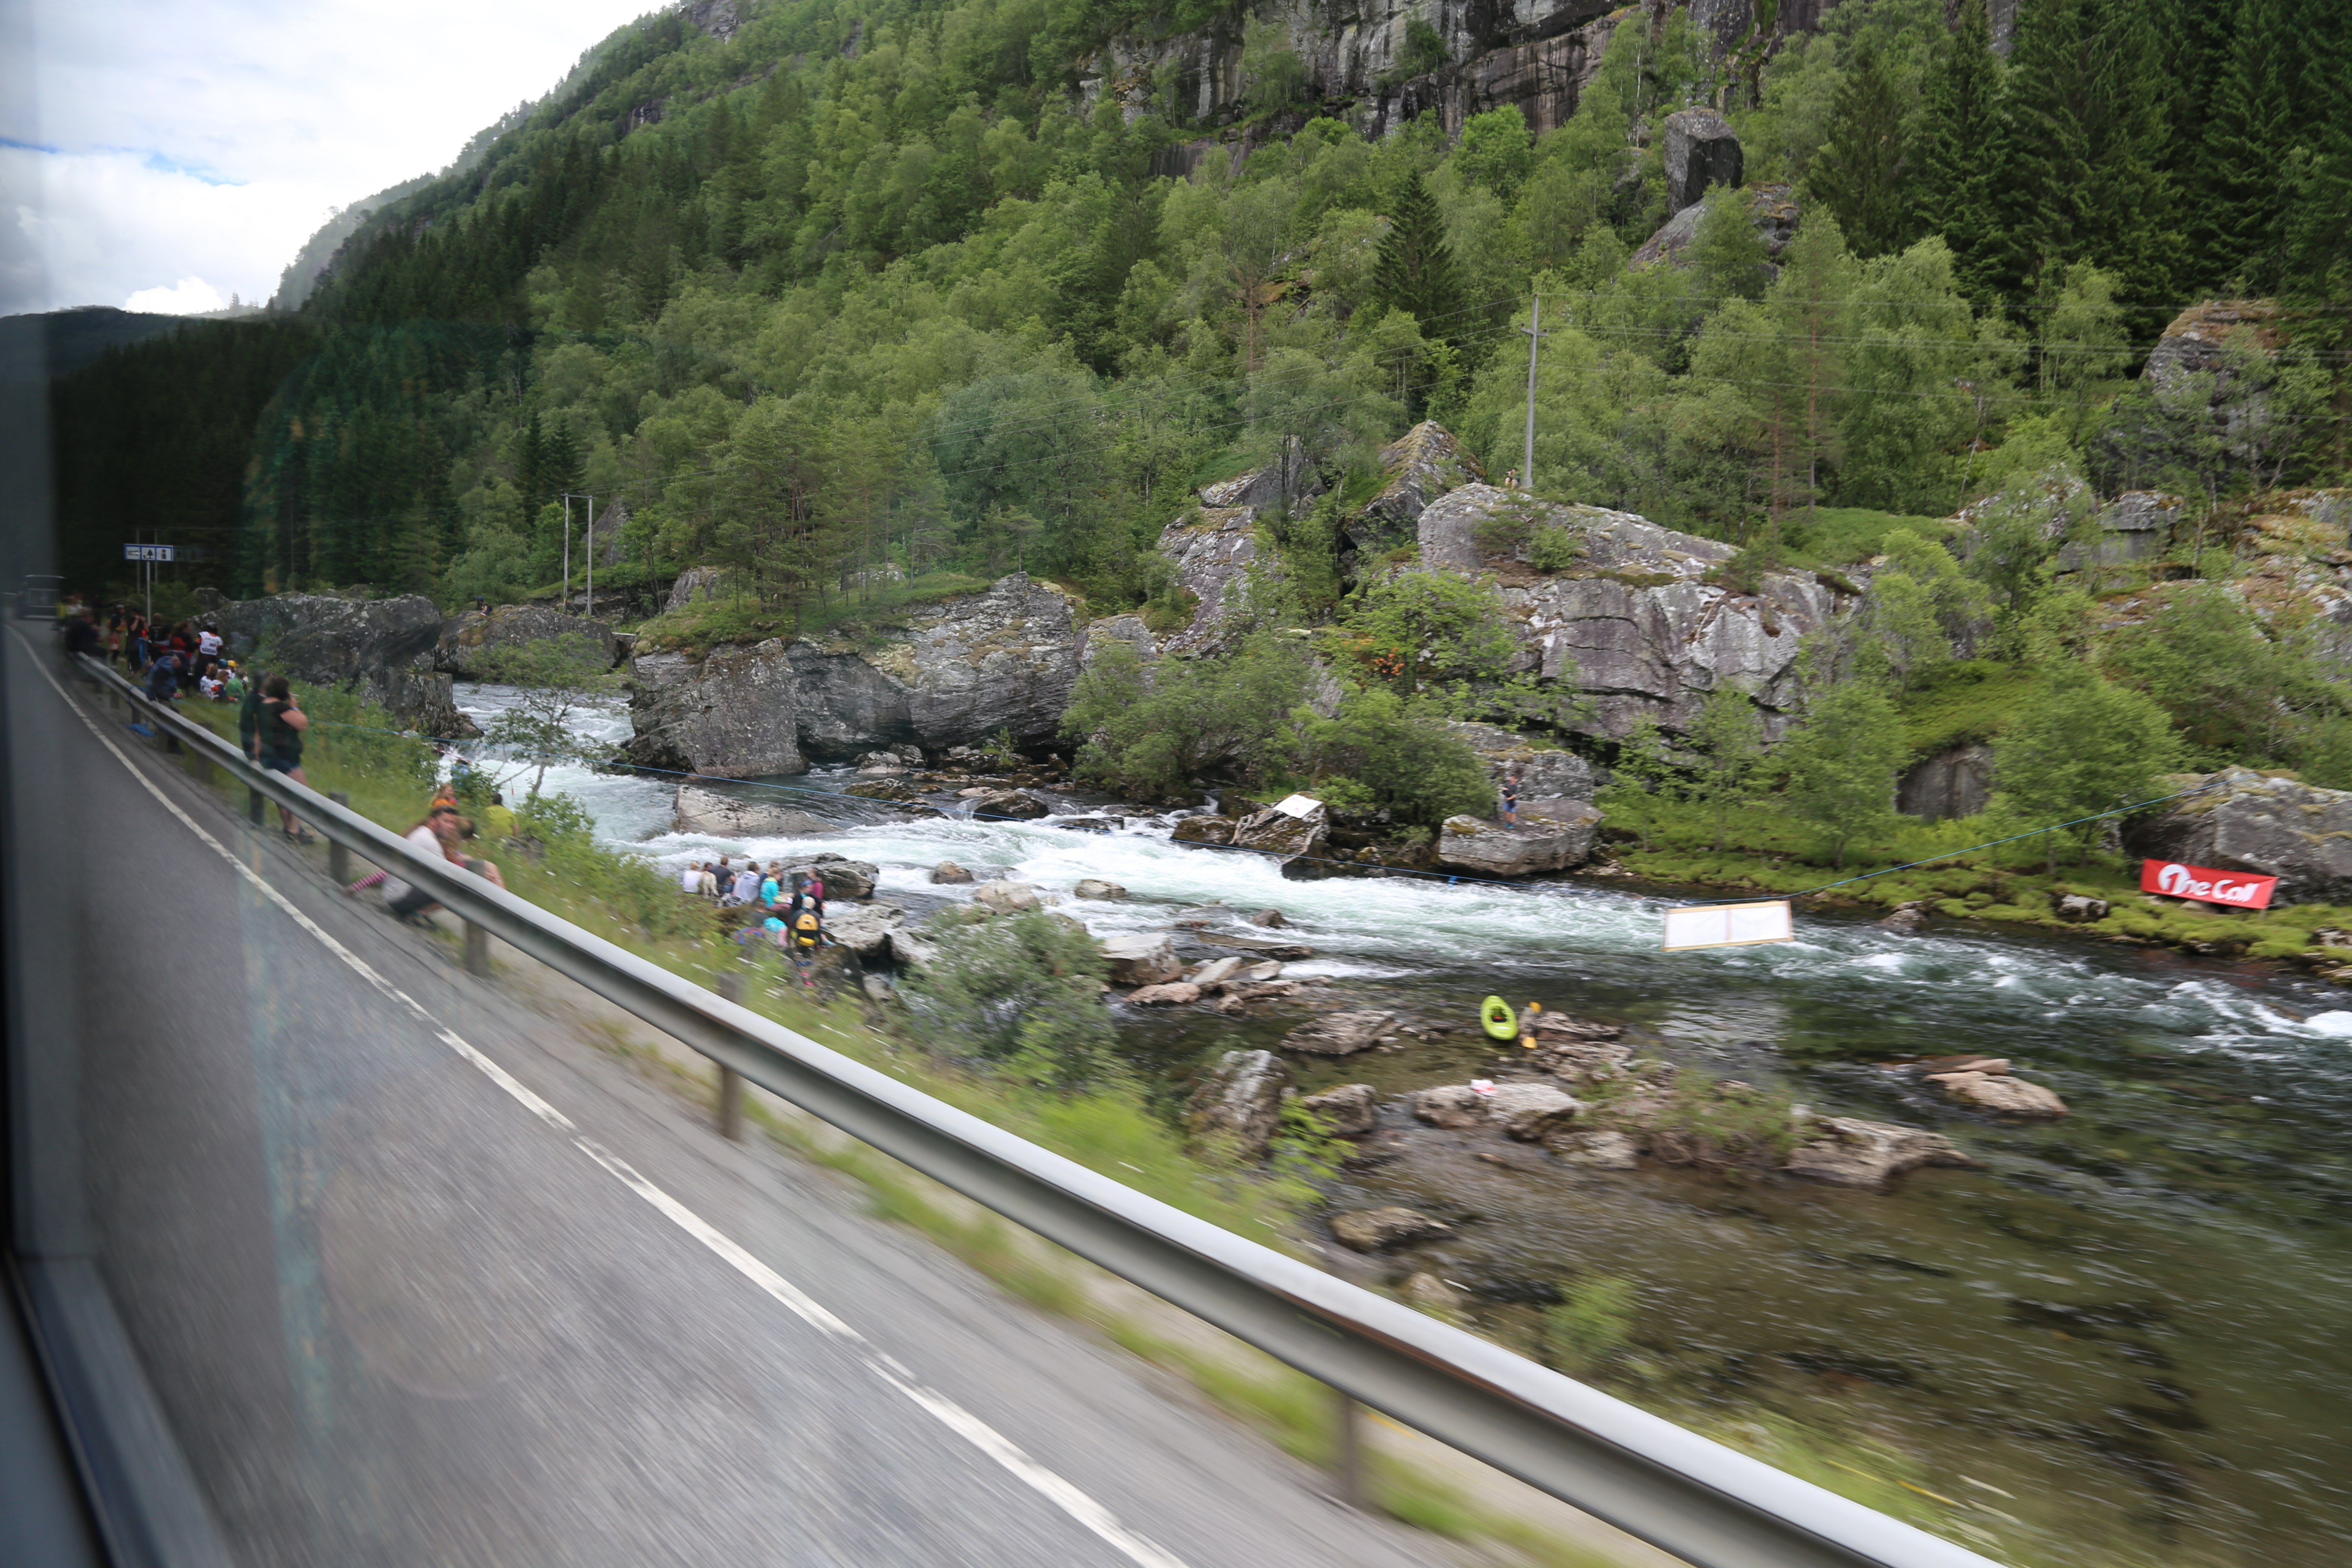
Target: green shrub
{"x":1590,"y":1322}
{"x":1023,"y":992}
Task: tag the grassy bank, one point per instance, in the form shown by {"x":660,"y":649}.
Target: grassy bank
{"x":1767,"y":853}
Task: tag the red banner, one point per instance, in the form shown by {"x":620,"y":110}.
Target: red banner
{"x":2236,"y":889}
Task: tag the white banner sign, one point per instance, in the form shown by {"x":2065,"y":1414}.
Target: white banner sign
{"x":1729,"y":925}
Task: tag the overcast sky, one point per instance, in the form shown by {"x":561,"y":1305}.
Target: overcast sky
{"x":173,"y":152}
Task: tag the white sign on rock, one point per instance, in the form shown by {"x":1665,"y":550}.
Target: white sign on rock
{"x":1297,"y":804}
{"x":1729,"y":925}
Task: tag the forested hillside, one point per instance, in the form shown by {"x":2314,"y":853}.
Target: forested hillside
{"x":865,"y":281}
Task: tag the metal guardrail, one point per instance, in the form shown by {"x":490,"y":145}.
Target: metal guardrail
{"x":1709,"y":1504}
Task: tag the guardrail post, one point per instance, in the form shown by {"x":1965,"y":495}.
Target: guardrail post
{"x":477,"y":950}
{"x":257,"y":806}
{"x":1349,"y":1467}
{"x":339,"y":859}
{"x":730,"y":1083}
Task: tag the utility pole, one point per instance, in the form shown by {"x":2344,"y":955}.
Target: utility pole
{"x":563,"y":595}
{"x":1535,"y":336}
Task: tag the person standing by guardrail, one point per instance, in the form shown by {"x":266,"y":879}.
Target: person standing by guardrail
{"x":163,"y":678}
{"x":281,"y":727}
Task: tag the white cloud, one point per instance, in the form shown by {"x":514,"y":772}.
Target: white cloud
{"x":209,"y":139}
{"x":188,"y":296}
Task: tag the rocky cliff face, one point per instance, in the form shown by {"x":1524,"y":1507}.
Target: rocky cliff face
{"x":383,"y":647}
{"x":1633,"y":623}
{"x":962,"y":670}
{"x":466,"y":637}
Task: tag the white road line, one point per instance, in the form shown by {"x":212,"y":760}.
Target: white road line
{"x":1048,"y":1485}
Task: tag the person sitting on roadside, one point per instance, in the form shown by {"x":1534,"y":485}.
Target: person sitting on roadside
{"x":689,"y":880}
{"x":499,"y":816}
{"x":282,"y":728}
{"x":771,"y":890}
{"x":163,"y":678}
{"x":410,"y":902}
{"x":456,"y":833}
{"x":234,"y":686}
{"x":747,"y":883}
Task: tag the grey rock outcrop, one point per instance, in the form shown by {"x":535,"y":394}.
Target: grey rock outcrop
{"x":2253,"y":823}
{"x":1531,"y":1112}
{"x":1847,"y":1152}
{"x":863,"y":928}
{"x":1772,"y":209}
{"x":1455,"y":1106}
{"x":701,"y":809}
{"x":1144,"y":958}
{"x":694,"y":583}
{"x":1702,"y":150}
{"x":1210,"y":548}
{"x":1596,"y":1151}
{"x":1240,"y":1100}
{"x":1544,"y":772}
{"x":1552,"y":842}
{"x":1634,"y":617}
{"x":962,"y":670}
{"x":1349,"y":1112}
{"x":1421,"y":465}
{"x":1203,"y":830}
{"x":1006,"y":898}
{"x":379,"y":647}
{"x":2133,"y":527}
{"x":467,"y":636}
{"x":842,"y":878}
{"x":732,"y":715}
{"x":1278,"y":832}
{"x":1167,"y":994}
{"x":1954,"y":783}
{"x":1291,"y":481}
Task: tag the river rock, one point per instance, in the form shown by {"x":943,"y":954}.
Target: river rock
{"x":732,"y":715}
{"x":1531,"y":1112}
{"x":2251,"y":822}
{"x":1174,"y":993}
{"x":1370,"y":1230}
{"x":1538,"y":843}
{"x":1348,"y":1111}
{"x":1268,"y":917}
{"x":1425,"y":1292}
{"x":1143,"y":958}
{"x":701,"y":809}
{"x":1596,"y":1150}
{"x":1568,"y":1026}
{"x":1847,"y":1152}
{"x":1455,"y":1105}
{"x":1213,"y":972}
{"x":1341,"y":1034}
{"x":1909,"y":920}
{"x":2009,"y":1095}
{"x":1008,"y":803}
{"x":1097,"y":889}
{"x":1204,"y":830}
{"x":465,"y":637}
{"x":1240,"y":1099}
{"x":1702,"y":150}
{"x":1582,"y":1061}
{"x":948,"y":873}
{"x":2081,"y":907}
{"x":842,"y":878}
{"x":890,"y":762}
{"x":1006,"y":898}
{"x":1200,"y":916}
{"x":863,"y":928}
{"x":1278,"y":832}
{"x":1265,"y":947}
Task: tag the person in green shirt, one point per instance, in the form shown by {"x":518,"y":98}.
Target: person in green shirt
{"x":234,"y":689}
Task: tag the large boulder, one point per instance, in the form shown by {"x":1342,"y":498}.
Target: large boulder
{"x":701,"y":809}
{"x":1006,"y":898}
{"x":1847,"y":1152}
{"x":1954,"y":783}
{"x":1292,"y":480}
{"x":1421,"y":465}
{"x":1999,"y":1092}
{"x":1304,"y":828}
{"x":1544,"y":773}
{"x":1637,"y":622}
{"x":842,"y":878}
{"x":1240,"y":1102}
{"x":1210,"y":550}
{"x":1702,"y":150}
{"x":732,"y":715}
{"x":381,"y":648}
{"x":1204,"y":830}
{"x":1008,"y":805}
{"x":2251,"y":822}
{"x":2133,"y":527}
{"x":1558,"y":838}
{"x":960,"y":671}
{"x":467,"y":636}
{"x":1772,"y":209}
{"x":863,"y":928}
{"x":1341,"y":1034}
{"x":1531,"y":1112}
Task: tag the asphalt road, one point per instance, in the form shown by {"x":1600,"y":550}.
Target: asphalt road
{"x":396,"y":1316}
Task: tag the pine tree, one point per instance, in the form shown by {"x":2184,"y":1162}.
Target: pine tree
{"x":2242,"y":203}
{"x":1413,"y":271}
{"x":1806,"y":305}
{"x":2086,"y":102}
{"x":1956,"y":180}
{"x":2318,"y":268}
{"x":1861,"y":167}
